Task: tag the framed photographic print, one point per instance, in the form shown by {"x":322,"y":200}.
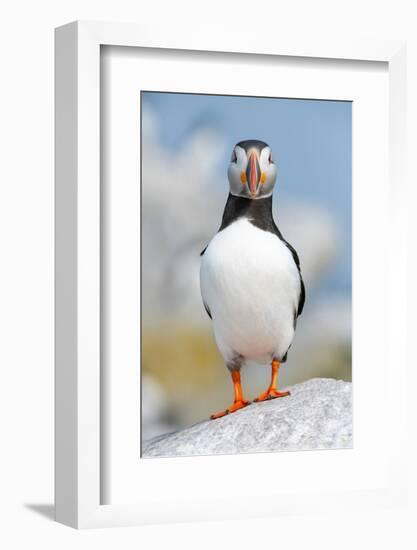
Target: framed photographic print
{"x":226,"y":305}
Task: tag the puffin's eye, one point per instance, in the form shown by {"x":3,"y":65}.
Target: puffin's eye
{"x":270,"y":158}
{"x":234,"y":157}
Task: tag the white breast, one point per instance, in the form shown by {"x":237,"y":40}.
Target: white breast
{"x":251,"y":285}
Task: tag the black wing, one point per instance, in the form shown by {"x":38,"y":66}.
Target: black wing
{"x":207,"y":309}
{"x":205,"y":305}
{"x":302,"y":297}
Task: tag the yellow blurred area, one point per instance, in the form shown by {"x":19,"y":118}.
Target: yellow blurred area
{"x":180,"y":357}
{"x":183,"y":359}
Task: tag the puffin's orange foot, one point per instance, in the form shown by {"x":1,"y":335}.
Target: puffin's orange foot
{"x":271,"y":394}
{"x":233,"y":408}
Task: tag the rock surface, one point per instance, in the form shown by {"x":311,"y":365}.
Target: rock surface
{"x":317,"y":415}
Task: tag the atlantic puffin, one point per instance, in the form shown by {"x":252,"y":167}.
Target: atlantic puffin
{"x":250,"y":276}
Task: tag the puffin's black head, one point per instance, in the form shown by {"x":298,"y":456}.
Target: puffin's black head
{"x":252,"y":172}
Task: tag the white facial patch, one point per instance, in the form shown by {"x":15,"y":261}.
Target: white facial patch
{"x":237,"y":173}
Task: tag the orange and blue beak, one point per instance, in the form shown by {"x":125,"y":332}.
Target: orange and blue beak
{"x":253,"y":173}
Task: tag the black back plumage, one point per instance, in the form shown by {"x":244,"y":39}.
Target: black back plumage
{"x":259,"y":213}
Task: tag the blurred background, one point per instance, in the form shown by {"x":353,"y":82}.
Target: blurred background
{"x":187,"y":142}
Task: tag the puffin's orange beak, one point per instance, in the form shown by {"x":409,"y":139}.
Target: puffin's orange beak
{"x":253,"y":173}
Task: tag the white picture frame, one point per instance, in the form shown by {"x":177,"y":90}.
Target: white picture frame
{"x":78,"y":405}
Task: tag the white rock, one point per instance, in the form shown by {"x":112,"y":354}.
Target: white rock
{"x":317,"y":415}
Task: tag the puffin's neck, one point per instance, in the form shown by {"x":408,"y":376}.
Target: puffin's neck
{"x":258,"y":212}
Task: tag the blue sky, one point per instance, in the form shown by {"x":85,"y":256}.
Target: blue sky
{"x":311,"y":142}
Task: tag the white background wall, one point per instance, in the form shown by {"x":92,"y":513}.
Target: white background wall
{"x":26,"y":267}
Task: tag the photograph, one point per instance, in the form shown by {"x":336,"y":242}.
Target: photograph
{"x":246,"y":235}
